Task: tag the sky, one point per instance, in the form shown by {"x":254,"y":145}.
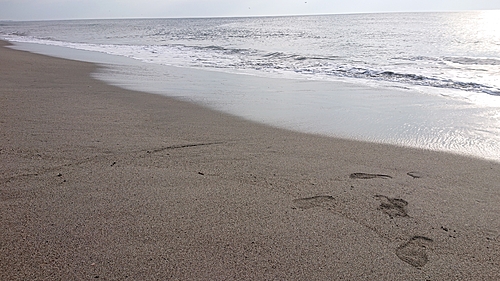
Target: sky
{"x":90,"y":9}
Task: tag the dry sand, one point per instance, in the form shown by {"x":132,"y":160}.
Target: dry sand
{"x":97,"y":182}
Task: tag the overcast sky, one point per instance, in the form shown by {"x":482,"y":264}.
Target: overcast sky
{"x":77,"y":9}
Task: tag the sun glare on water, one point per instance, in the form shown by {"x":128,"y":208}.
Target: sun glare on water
{"x":489,"y":24}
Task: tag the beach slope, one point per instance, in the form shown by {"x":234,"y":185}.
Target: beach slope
{"x":98,"y":182}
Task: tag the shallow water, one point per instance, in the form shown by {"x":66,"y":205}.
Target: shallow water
{"x":430,"y":81}
{"x":340,"y":109}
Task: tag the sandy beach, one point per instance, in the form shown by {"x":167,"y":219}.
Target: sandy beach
{"x":102,"y":183}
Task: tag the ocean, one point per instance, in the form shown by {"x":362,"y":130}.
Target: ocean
{"x":428,"y":80}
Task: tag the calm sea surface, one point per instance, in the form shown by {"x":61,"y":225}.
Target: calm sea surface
{"x":443,"y":65}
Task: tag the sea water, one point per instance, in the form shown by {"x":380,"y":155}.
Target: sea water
{"x":429,"y":80}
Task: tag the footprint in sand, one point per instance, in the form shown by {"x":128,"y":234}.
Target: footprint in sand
{"x":414,"y":251}
{"x":365,"y":176}
{"x":394,"y":207}
{"x":415,"y":175}
{"x":311,"y":202}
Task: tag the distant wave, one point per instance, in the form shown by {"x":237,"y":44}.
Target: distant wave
{"x":457,"y":60}
{"x":225,"y":50}
{"x":473,"y":61}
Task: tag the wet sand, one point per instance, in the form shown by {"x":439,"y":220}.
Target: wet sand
{"x":97,"y":182}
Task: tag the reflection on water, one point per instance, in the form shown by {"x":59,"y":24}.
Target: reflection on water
{"x":402,"y":117}
{"x":489,"y":25}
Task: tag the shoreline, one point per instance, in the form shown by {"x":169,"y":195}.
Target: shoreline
{"x":334,"y":109}
{"x":102,"y":182}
